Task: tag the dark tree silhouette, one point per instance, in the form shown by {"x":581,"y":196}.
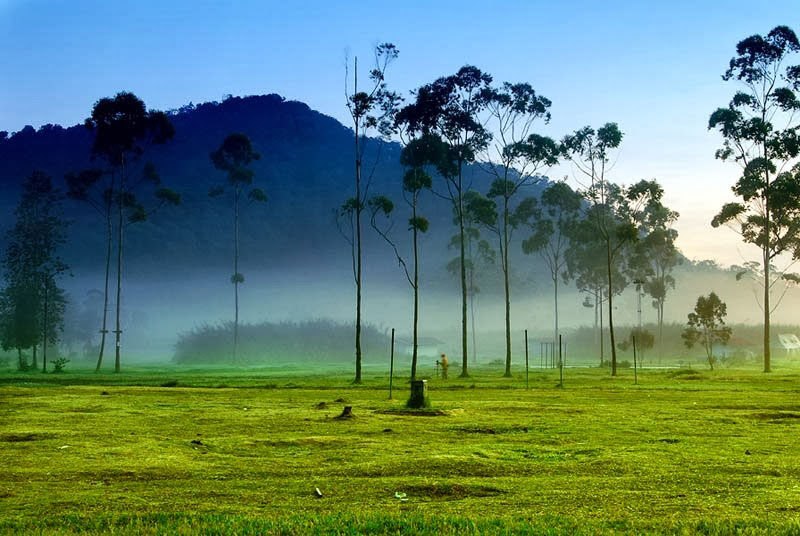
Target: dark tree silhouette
{"x":32,"y":304}
{"x":768,"y":214}
{"x":550,"y":221}
{"x":96,"y":188}
{"x":233,"y":157}
{"x":122,"y":128}
{"x":418,"y":156}
{"x":706,"y":325}
{"x":450,"y":107}
{"x":515,"y":158}
{"x":654,"y":258}
{"x":371,"y":110}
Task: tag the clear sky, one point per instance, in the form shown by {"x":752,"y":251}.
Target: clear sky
{"x":652,"y":66}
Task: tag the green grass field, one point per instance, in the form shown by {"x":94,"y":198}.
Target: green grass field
{"x":166,"y":451}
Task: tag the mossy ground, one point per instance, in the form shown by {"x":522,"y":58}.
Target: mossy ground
{"x":242,"y":451}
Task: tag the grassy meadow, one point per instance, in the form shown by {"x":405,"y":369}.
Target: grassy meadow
{"x":225,"y":451}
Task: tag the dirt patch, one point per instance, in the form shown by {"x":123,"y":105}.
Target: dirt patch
{"x":24,"y":437}
{"x":321,"y":405}
{"x":491,"y":430}
{"x":422,"y":412}
{"x":778,"y":417}
{"x":451,"y":491}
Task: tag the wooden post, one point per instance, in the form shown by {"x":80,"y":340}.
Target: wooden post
{"x":635,"y":376}
{"x":391,"y":365}
{"x":560,"y":364}
{"x":526,"y":359}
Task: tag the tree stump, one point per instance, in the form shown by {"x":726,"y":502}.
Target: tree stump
{"x":419,"y":394}
{"x":347,"y":413}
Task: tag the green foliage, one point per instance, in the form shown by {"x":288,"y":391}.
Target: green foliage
{"x":419,"y":223}
{"x":760,"y":132}
{"x":706,"y":325}
{"x":318,"y":341}
{"x":59,"y":364}
{"x":31,"y":304}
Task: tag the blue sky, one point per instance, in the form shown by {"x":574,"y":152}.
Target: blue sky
{"x":653,"y":67}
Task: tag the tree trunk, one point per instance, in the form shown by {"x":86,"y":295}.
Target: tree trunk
{"x":109,"y":240}
{"x":464,"y":364}
{"x":506,"y":287}
{"x":416,"y":294}
{"x":767,"y":364}
{"x":236,"y":194}
{"x":358,"y":260}
{"x":120,"y":233}
{"x":660,"y":329}
{"x":45,"y":327}
{"x":555,"y":307}
{"x":599,"y":305}
{"x":766,"y":250}
{"x":471,"y":276}
{"x":35,"y":364}
{"x":611,"y":313}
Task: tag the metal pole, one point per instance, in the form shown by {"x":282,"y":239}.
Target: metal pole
{"x":391,"y":365}
{"x":526,"y":359}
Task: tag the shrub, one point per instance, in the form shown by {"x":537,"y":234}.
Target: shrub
{"x":320,"y":341}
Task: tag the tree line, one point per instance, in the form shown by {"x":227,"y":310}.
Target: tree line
{"x":598,"y":234}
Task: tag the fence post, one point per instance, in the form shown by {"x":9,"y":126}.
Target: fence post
{"x":526,"y":359}
{"x":391,"y":365}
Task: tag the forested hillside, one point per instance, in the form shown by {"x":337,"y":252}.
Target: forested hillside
{"x":305,"y":169}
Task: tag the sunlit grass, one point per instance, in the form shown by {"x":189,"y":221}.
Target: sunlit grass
{"x":242,"y":451}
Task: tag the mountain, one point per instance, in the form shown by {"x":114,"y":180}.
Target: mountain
{"x":306,"y":170}
{"x":296,"y":262}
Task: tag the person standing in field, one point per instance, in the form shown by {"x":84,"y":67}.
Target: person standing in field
{"x":443,"y":362}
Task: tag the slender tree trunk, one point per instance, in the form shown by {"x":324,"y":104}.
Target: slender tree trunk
{"x":464,"y":350}
{"x":555,"y":308}
{"x":20,"y":362}
{"x":599,"y":305}
{"x":506,"y":287}
{"x":767,"y":364}
{"x":236,"y":195}
{"x":357,"y":234}
{"x":471,"y":275}
{"x":660,"y":330}
{"x":611,"y":313}
{"x":120,"y":234}
{"x":35,"y":364}
{"x":766,"y":249}
{"x":416,"y":295}
{"x":358,"y":259}
{"x":472,"y":316}
{"x":45,"y":326}
{"x":109,"y":240}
